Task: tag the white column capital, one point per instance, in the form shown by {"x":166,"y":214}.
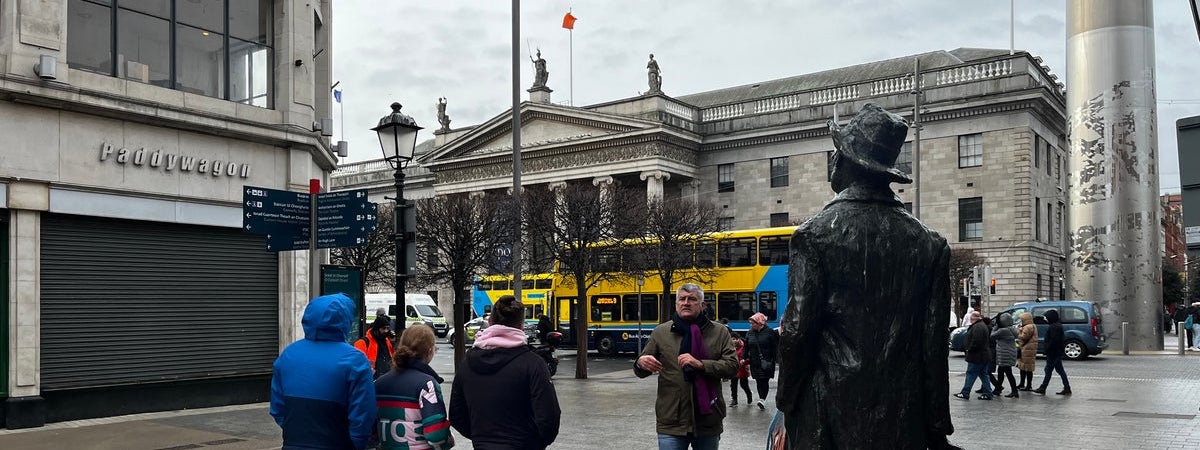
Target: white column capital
{"x":605,"y":180}
{"x":557,"y":186}
{"x":656,"y":174}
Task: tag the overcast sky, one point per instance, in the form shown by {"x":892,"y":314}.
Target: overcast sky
{"x":414,"y":51}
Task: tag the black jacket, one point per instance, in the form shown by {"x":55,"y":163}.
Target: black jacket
{"x":502,"y":399}
{"x":1054,"y":335}
{"x":977,"y":343}
{"x":763,"y":343}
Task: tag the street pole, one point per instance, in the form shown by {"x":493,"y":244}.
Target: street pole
{"x":640,"y":280}
{"x":916,"y":155}
{"x":516,"y":145}
{"x":400,"y":235}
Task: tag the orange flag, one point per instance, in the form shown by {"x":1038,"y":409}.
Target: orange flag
{"x":569,"y":21}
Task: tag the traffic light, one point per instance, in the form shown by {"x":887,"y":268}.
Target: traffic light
{"x":993,"y":286}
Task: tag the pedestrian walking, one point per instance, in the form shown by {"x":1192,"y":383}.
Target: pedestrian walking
{"x":377,"y":346}
{"x":1006,"y":355}
{"x":322,"y":395}
{"x":502,"y":397}
{"x":742,"y":376}
{"x":976,"y":344}
{"x":1055,"y":341}
{"x":410,"y":406}
{"x":1027,"y":339}
{"x":691,"y":354}
{"x":762,"y":348}
{"x":1194,"y":315}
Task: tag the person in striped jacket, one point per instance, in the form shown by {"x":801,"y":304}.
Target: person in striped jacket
{"x":411,"y":408}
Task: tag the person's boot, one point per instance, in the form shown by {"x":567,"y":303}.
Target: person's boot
{"x":1065,"y":391}
{"x":1041,"y":390}
{"x":734,"y":402}
{"x":1014,"y":394}
{"x":998,"y":390}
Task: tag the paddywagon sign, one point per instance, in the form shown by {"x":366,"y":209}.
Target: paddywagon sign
{"x":173,"y":162}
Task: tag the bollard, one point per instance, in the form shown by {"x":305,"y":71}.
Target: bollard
{"x":1179,"y":330}
{"x":1124,"y":338}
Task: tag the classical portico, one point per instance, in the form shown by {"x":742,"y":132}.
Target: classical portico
{"x":564,"y":144}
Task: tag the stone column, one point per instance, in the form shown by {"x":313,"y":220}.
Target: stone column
{"x":25,"y":407}
{"x":691,"y":190}
{"x":654,"y":183}
{"x":606,"y":185}
{"x":1113,"y":223}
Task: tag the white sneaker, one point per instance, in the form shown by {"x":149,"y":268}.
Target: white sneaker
{"x":760,"y":405}
{"x":1190,"y":349}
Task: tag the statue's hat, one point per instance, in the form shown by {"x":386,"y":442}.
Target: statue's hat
{"x":872,"y":140}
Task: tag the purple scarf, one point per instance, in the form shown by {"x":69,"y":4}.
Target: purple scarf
{"x":706,"y":395}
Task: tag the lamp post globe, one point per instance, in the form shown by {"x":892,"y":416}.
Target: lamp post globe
{"x":398,"y":139}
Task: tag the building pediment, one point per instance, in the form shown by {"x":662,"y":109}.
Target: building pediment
{"x":542,"y":126}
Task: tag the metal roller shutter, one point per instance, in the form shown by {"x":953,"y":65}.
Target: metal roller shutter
{"x":126,"y":302}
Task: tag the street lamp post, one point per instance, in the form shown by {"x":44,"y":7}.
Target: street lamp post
{"x":398,"y":138}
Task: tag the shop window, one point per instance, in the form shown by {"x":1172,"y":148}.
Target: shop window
{"x":222,"y":49}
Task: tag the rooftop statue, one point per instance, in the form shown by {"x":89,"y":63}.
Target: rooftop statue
{"x":653,"y":76}
{"x":540,"y":75}
{"x":441,"y":114}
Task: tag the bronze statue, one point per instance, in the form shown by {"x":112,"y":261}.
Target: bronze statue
{"x":441,"y":114}
{"x":540,"y":75}
{"x":863,"y":351}
{"x":654,"y":77}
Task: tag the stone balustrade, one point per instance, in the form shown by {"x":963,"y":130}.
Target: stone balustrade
{"x":963,"y":74}
{"x":892,"y":85}
{"x":776,"y":104}
{"x":833,"y":95}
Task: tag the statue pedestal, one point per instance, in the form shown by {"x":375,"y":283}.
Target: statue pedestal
{"x":539,"y":94}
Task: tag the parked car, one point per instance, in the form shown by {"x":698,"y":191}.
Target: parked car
{"x":1082,"y":326}
{"x":472,"y":327}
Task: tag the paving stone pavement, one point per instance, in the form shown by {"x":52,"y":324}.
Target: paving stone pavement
{"x":1120,"y":402}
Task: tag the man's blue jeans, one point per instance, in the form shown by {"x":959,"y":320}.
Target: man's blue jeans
{"x":670,"y":442}
{"x":977,"y":370}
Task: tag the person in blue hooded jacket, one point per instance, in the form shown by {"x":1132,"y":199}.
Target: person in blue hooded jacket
{"x":322,"y":390}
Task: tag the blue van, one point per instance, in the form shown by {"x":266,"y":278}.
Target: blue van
{"x":1082,"y":323}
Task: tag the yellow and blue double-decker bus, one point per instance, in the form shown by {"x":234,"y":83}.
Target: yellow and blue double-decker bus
{"x":536,"y":293}
{"x":746,"y":273}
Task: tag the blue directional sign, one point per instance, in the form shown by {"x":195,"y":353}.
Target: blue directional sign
{"x":285,"y":242}
{"x":272,"y":211}
{"x":345,"y":219}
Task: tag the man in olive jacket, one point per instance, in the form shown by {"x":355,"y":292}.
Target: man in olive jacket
{"x":863,"y":354}
{"x":691,"y":355}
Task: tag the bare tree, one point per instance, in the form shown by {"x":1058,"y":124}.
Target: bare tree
{"x":377,"y":257}
{"x":666,"y":245}
{"x":457,"y":237}
{"x":566,"y":225}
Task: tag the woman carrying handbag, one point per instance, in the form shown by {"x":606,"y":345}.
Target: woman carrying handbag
{"x":762,"y":346}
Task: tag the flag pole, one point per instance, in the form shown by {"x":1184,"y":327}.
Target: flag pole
{"x":571,"y":69}
{"x":342,"y":112}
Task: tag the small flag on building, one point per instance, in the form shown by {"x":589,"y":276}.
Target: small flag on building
{"x":337,"y":95}
{"x":569,"y":21}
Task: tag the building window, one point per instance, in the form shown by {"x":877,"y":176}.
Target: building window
{"x":970,"y":219}
{"x":725,"y":223}
{"x":779,"y":172}
{"x":1037,"y":219}
{"x":1037,"y":151}
{"x":1049,"y":155}
{"x":970,"y":150}
{"x":904,"y":160}
{"x":829,"y":166}
{"x":1057,"y":167}
{"x":1049,"y":223}
{"x":216,"y":48}
{"x":1039,"y":285}
{"x":725,"y":178}
{"x":779,"y":219}
{"x":908,"y":207}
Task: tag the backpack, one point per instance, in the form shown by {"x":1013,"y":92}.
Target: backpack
{"x":1189,"y":322}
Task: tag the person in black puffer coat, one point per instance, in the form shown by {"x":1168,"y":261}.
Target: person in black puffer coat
{"x":1055,"y":341}
{"x":502,"y":397}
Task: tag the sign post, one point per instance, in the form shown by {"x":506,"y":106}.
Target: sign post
{"x":347,"y":280}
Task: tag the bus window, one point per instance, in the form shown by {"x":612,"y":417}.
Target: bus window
{"x":609,"y":261}
{"x":735,"y":305}
{"x":544,"y":283}
{"x":735,"y":252}
{"x":605,"y":308}
{"x":484,"y":285}
{"x":773,"y":251}
{"x":706,"y":254}
{"x":526,"y":284}
{"x":768,"y":304}
{"x":649,"y":305}
{"x":709,"y":304}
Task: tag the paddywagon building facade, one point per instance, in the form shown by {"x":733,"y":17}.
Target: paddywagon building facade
{"x":131,"y":131}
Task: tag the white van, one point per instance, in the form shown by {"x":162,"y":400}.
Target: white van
{"x":420,"y":308}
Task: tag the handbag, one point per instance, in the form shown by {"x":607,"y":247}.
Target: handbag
{"x":763,"y":363}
